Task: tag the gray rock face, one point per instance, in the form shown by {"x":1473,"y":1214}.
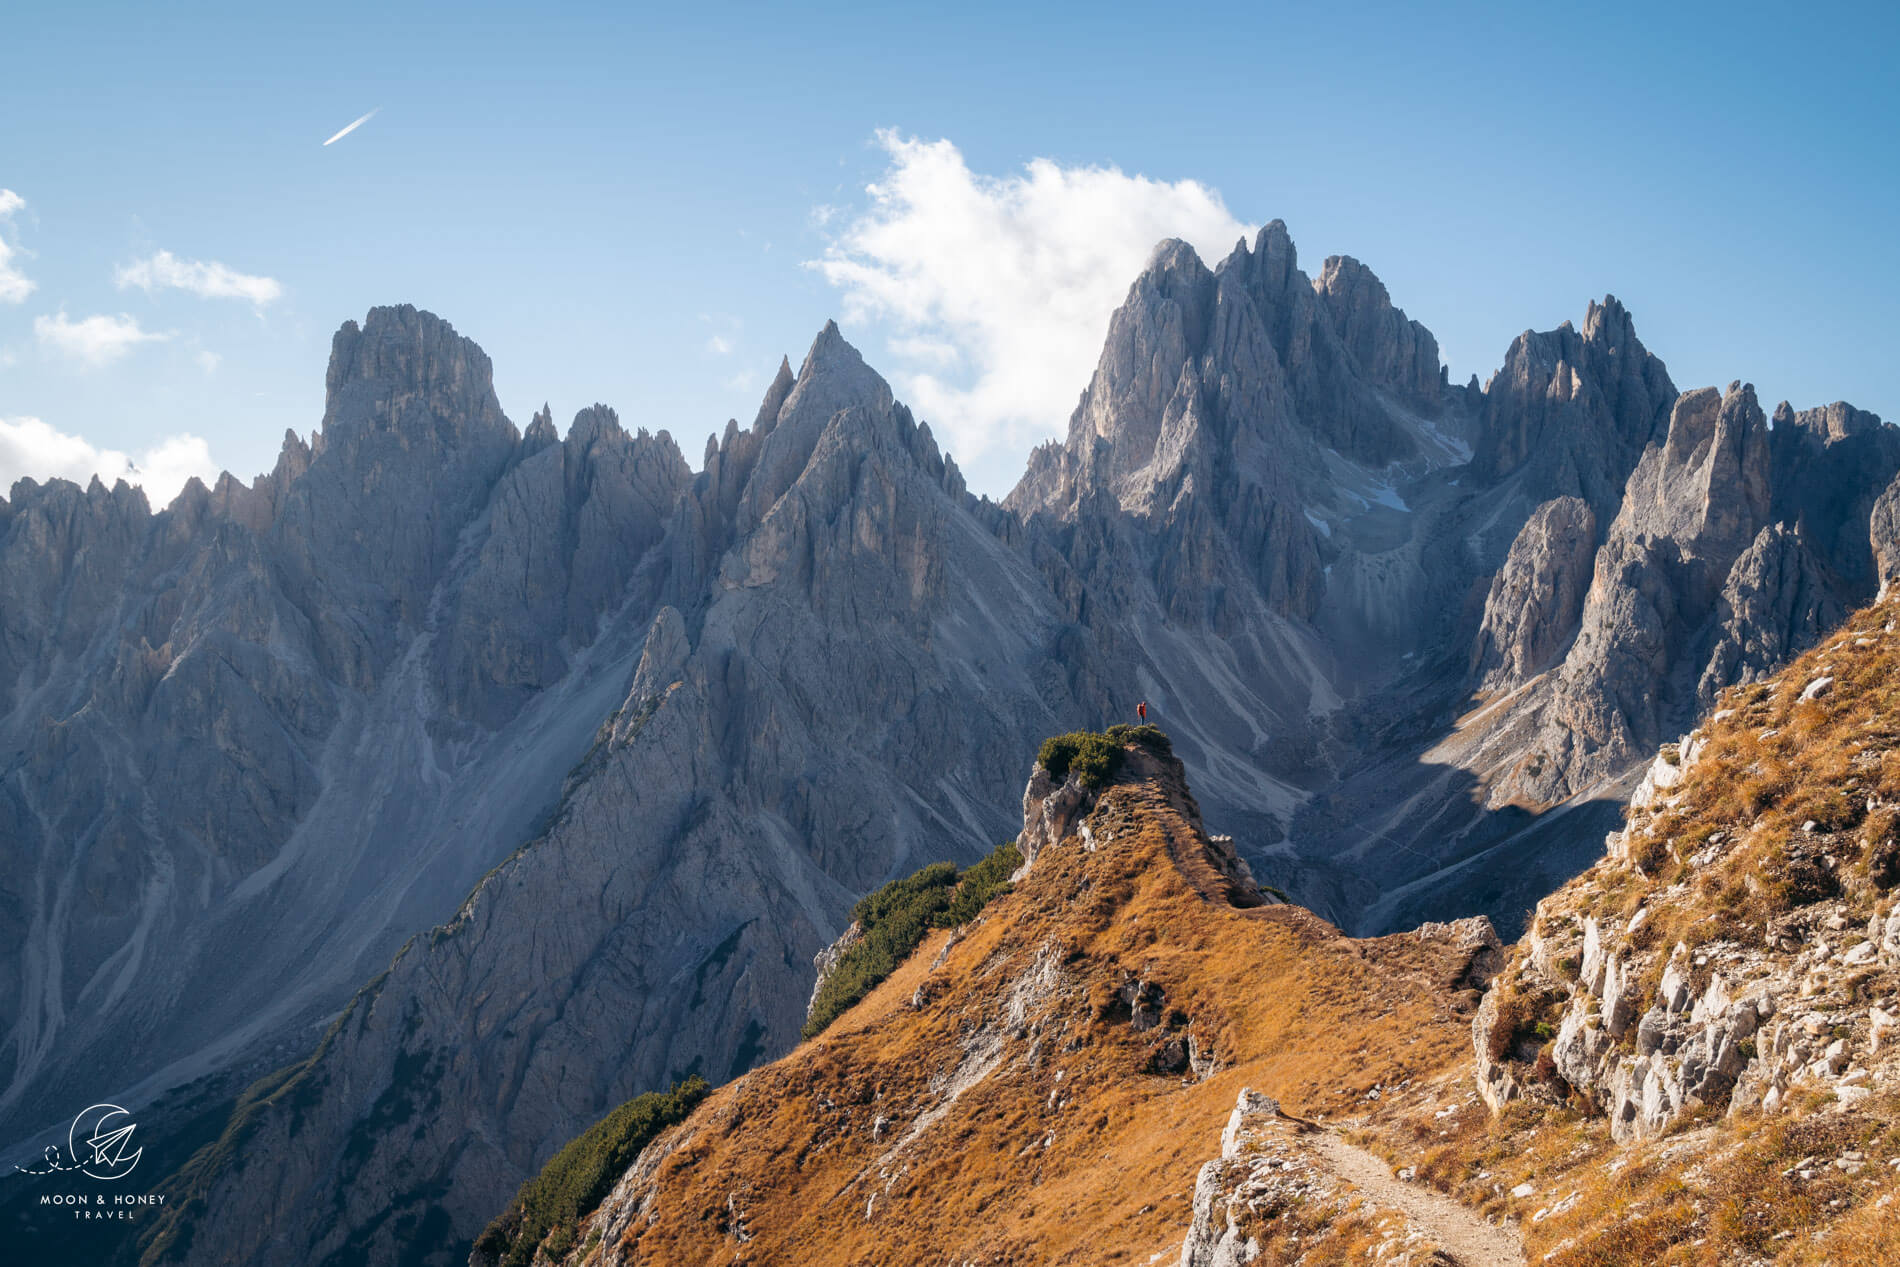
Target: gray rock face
{"x":1216,"y":393}
{"x":1884,"y":536}
{"x":1050,"y":812}
{"x":410,"y":420}
{"x":1701,"y":581}
{"x":567,"y":529}
{"x":1573,"y":411}
{"x":1776,"y":603}
{"x":1397,"y":354}
{"x":1694,"y":503}
{"x":237,"y":774}
{"x":1536,"y":598}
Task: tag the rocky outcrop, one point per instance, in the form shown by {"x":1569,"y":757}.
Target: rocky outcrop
{"x":1570,"y":412}
{"x":1536,"y":598}
{"x":1727,"y":951}
{"x":1696,"y":587}
{"x":1230,"y":1191}
{"x":826,"y":961}
{"x":1884,"y":536}
{"x":1051,"y":811}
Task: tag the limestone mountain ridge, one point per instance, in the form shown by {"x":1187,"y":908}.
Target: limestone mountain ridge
{"x":263,"y":740}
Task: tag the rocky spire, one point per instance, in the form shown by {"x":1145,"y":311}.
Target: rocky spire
{"x":1573,"y":411}
{"x":410,"y":420}
{"x":1396,"y":353}
{"x":1884,"y":529}
{"x":540,"y":433}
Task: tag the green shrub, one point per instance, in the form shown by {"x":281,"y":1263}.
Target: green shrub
{"x":1152,"y":738}
{"x":894,"y":919}
{"x":551,"y":1205}
{"x":986,"y":880}
{"x":1091,"y":757}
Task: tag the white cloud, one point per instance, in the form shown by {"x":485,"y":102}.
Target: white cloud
{"x":30,"y":447}
{"x":995,"y":292}
{"x":15,"y":286}
{"x":206,"y":279}
{"x":97,"y":340}
{"x":719,"y":345}
{"x":209,"y":361}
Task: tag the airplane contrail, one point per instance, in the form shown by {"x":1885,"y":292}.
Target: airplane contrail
{"x":352,"y":127}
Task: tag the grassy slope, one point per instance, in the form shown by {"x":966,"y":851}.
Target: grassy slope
{"x":1719,"y":1188}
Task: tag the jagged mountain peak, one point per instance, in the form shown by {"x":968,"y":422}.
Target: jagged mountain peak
{"x":775,"y":394}
{"x":1174,"y":257}
{"x":593,"y":425}
{"x":1608,"y":322}
{"x":832,"y":380}
{"x":1572,"y":410}
{"x":541,"y":432}
{"x":1829,"y":423}
{"x":1399,"y":354}
{"x":1273,"y":248}
{"x":1342,"y":272}
{"x":401,"y":350}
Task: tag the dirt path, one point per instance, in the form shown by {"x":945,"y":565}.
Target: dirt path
{"x":1462,"y":1234}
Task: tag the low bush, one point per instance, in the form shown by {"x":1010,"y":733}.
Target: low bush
{"x":893,"y":920}
{"x":1152,"y":738}
{"x":550,"y":1206}
{"x":1093,"y":758}
{"x":979,"y":884}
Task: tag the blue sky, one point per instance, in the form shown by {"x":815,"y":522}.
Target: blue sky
{"x":626,"y":205}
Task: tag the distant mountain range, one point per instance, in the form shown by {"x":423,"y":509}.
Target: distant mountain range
{"x":576,"y":756}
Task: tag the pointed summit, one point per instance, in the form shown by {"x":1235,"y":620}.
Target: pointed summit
{"x":829,"y":349}
{"x":540,"y":433}
{"x":775,"y":394}
{"x":833,"y":377}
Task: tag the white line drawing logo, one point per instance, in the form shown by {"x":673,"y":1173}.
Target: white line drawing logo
{"x":99,"y":1145}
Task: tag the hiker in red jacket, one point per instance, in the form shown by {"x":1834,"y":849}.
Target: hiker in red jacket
{"x":1141,"y":711}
